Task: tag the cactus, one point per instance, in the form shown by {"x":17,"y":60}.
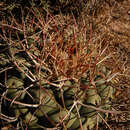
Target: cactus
{"x":60,"y":81}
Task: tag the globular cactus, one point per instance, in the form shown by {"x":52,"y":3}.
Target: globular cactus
{"x":60,"y":81}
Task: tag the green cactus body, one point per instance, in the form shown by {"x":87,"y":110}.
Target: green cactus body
{"x":58,"y":83}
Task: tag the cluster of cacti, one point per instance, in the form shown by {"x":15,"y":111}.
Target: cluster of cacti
{"x":53,"y":76}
